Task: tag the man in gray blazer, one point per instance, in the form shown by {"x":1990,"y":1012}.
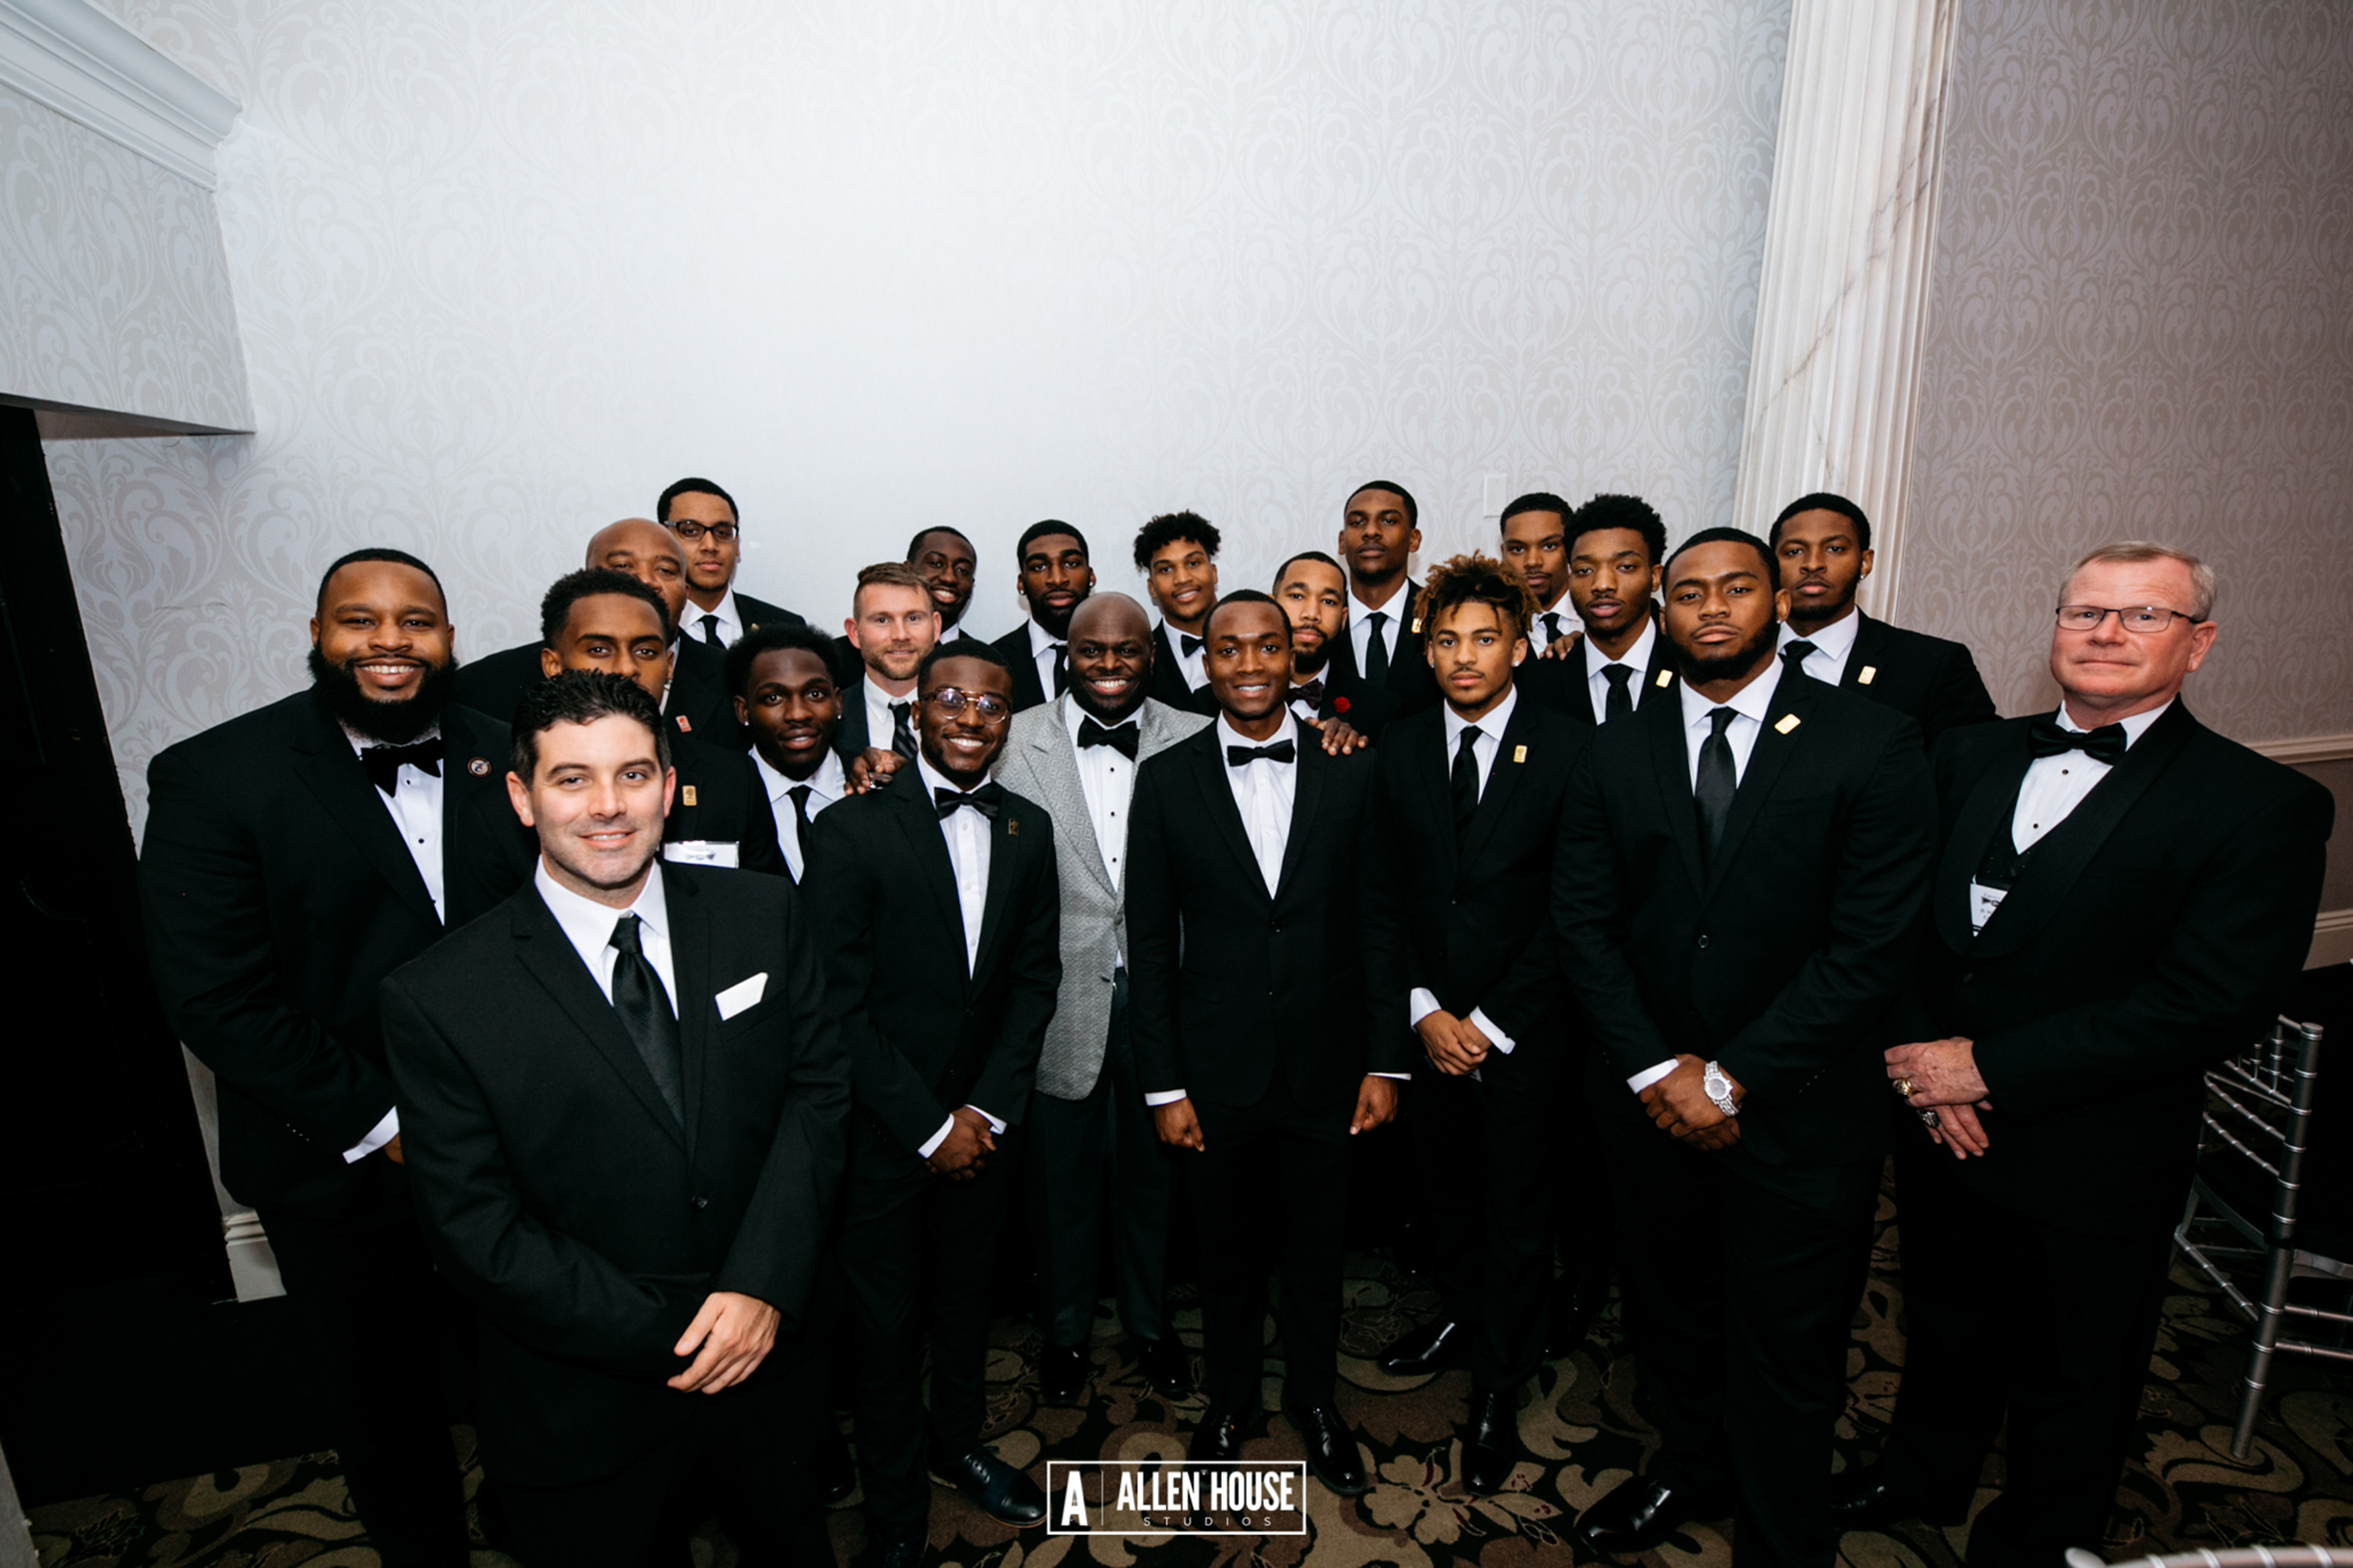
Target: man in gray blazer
{"x":1090,"y":1135}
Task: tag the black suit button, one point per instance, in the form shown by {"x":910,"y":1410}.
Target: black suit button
{"x":1275,"y":926}
{"x":702,"y":1200}
{"x":1968,"y":976}
{"x":1702,"y":939}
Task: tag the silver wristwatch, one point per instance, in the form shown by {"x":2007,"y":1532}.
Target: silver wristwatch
{"x":1719,"y":1089}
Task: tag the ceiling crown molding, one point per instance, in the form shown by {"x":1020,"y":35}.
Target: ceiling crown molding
{"x":74,"y":58}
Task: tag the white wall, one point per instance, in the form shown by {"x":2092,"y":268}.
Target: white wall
{"x":502,"y":271}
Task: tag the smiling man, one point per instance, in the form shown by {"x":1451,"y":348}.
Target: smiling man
{"x":703,"y":518}
{"x":1177,"y":553}
{"x":293,"y":858}
{"x":626,"y":1112}
{"x":891,"y":629}
{"x":942,"y":963}
{"x":1380,"y":528}
{"x":1741,"y":868}
{"x":948,"y":562}
{"x":1249,"y":1024}
{"x":1093,"y":1146}
{"x":1055,"y":575}
{"x":785,"y":695}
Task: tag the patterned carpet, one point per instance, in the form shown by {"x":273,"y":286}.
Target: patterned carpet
{"x":1581,"y":1433}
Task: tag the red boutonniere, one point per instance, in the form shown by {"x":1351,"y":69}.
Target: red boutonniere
{"x":1339,"y":705}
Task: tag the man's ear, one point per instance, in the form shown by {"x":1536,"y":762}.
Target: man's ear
{"x":518,"y":796}
{"x":549,"y":666}
{"x":1780,"y":603}
{"x":1868,"y":556}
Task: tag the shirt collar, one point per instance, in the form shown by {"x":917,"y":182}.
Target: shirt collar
{"x":1230,"y":736}
{"x":1491,"y":726}
{"x":934,"y":780}
{"x":1073,"y":716}
{"x":588,"y":923}
{"x":362,"y":742}
{"x":1040,"y":639}
{"x":730,"y":618}
{"x":1754,"y":701}
{"x":1359,"y":609}
{"x":878,"y":698}
{"x":1834,"y":639}
{"x":2135,"y":727}
{"x":1638,"y":656}
{"x":827,"y":782}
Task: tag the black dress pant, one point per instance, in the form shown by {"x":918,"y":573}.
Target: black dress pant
{"x":1487,"y":1150}
{"x":2020,"y":1317}
{"x":1270,"y":1192}
{"x":1085,"y":1156}
{"x":747,"y":1449}
{"x":1741,"y":1282}
{"x":917,"y":1252}
{"x":372,"y":1313}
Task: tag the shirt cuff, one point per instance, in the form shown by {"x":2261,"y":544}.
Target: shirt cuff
{"x":996,"y":1128}
{"x":1400,"y":1077}
{"x":1419,"y":1006}
{"x":1486,"y":1026}
{"x":382,"y":1133}
{"x":931,"y":1145}
{"x":1163,"y":1097}
{"x":1649,"y":1076}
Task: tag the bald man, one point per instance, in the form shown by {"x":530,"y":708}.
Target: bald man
{"x":1092,"y":1143}
{"x":696,"y":703}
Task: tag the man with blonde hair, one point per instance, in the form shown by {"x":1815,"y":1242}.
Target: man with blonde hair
{"x":2121,"y":901}
{"x":893,"y":624}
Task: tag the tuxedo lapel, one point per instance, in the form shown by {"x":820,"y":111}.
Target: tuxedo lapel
{"x":1056,"y":756}
{"x":1784,"y":732}
{"x":542,"y":949}
{"x":690,"y":953}
{"x":1004,"y":844}
{"x":921,"y":825}
{"x":332,"y":773}
{"x":1663,"y":718}
{"x":1306,"y":794}
{"x":1502,"y":780}
{"x":1985,"y":813}
{"x":1208,"y":770}
{"x":1433,"y":773}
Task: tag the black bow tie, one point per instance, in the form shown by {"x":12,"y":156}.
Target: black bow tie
{"x":1188,"y":644}
{"x":1310,"y":692}
{"x":1124,"y":739}
{"x":988,"y":800}
{"x":383,"y":762}
{"x":2044,"y":738}
{"x":1242,"y":756}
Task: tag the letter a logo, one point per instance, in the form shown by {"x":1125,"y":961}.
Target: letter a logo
{"x":1074,"y":1504}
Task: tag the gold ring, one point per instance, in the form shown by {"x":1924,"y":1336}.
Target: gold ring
{"x":1903,"y":1087}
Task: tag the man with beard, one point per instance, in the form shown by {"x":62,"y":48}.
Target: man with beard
{"x":941,"y":964}
{"x":1313,"y":592}
{"x":696,"y":701}
{"x":597,"y":619}
{"x":785,"y":695}
{"x":1250,"y":1023}
{"x":1741,"y":868}
{"x":1822,"y":542}
{"x":1177,"y":553}
{"x":1054,"y":577}
{"x":294,"y":856}
{"x":943,"y":557}
{"x":625,"y":1111}
{"x":1380,"y":528}
{"x":891,"y":629}
{"x":710,"y":534}
{"x":1089,"y":1128}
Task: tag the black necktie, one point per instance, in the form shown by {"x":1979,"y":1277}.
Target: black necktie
{"x":1122,"y":739}
{"x":1712,"y":792}
{"x":2107,"y":743}
{"x":1619,"y":700}
{"x":1466,"y":778}
{"x":383,"y":762}
{"x":1062,"y":669}
{"x":1377,"y":651}
{"x":1794,"y":657}
{"x":1242,"y":756}
{"x":1311,"y":693}
{"x":645,"y":1013}
{"x":1551,"y":619}
{"x":988,"y":800}
{"x":1188,"y":644}
{"x":710,"y":631}
{"x":800,"y":794}
{"x":903,"y":736}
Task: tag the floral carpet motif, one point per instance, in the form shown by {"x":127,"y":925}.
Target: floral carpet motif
{"x":1582,"y":1431}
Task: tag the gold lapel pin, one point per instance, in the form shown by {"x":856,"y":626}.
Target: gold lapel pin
{"x":1417,"y":626}
{"x":479,"y":767}
{"x":685,"y":792}
{"x":1519,"y":753}
{"x":1012,"y":826}
{"x":1789,"y":723}
{"x":1869,"y":671}
{"x":1666,"y":678}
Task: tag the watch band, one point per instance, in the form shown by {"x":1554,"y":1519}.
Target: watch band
{"x":1718,"y":1089}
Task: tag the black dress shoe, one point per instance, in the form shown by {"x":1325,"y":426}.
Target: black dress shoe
{"x":837,"y":1478}
{"x":1491,"y":1445}
{"x":1427,"y":1348}
{"x":1640,"y":1513}
{"x":1218,"y":1436}
{"x":900,"y":1554}
{"x":1870,"y":1499}
{"x":1004,"y":1493}
{"x":1330,"y":1450}
{"x":1166,"y":1365}
{"x":1063,"y":1374}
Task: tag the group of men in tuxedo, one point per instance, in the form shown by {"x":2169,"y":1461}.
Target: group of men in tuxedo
{"x":1665,"y":893}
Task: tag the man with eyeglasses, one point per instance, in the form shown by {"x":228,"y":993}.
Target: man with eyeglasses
{"x":2122,"y":900}
{"x":704,"y":517}
{"x":941,"y":944}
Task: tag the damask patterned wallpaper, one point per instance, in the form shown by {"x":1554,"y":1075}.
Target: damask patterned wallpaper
{"x":116,"y":294}
{"x":504,"y":269}
{"x":2142,"y":327}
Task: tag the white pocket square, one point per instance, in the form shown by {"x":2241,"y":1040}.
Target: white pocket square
{"x":742,"y":995}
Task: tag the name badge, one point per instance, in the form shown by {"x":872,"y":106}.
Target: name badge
{"x":701,"y":852}
{"x":1983,"y":901}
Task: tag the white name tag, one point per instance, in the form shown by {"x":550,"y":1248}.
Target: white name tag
{"x":742,"y":995}
{"x":1983,"y":901}
{"x":701,"y":852}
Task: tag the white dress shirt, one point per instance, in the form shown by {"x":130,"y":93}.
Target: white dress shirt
{"x":589,"y":926}
{"x":825,"y":787}
{"x":966,"y":833}
{"x":1423,"y":1002}
{"x":415,"y":807}
{"x":1189,"y":665}
{"x":2050,"y":791}
{"x":1833,"y":645}
{"x":730,"y":618}
{"x":1360,"y":622}
{"x":1108,"y":780}
{"x":1638,"y":658}
{"x":878,"y":711}
{"x":1751,"y":703}
{"x":1043,"y":645}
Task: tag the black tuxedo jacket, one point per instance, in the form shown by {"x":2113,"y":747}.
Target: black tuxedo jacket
{"x":277,"y":893}
{"x":698,"y":703}
{"x":1028,"y":691}
{"x":1225,"y":981}
{"x":2152,"y":933}
{"x":1410,"y":687}
{"x":925,"y":1035}
{"x":1559,"y":683}
{"x":719,"y":799}
{"x":1467,"y":916}
{"x":1784,"y":958}
{"x":1932,"y":680}
{"x":1169,"y":678}
{"x":585,"y":1225}
{"x":758,"y":613}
